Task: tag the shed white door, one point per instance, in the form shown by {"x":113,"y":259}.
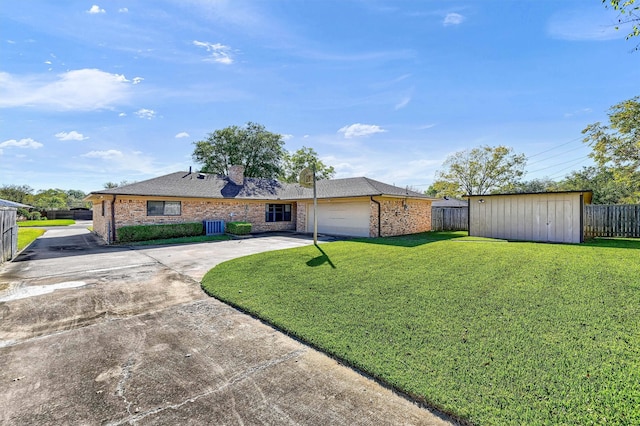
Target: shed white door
{"x":351,"y":219}
{"x":556,"y":221}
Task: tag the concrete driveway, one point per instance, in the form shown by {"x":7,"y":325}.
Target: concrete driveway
{"x":91,"y":334}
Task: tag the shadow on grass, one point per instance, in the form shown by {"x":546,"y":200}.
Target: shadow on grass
{"x":320,"y":260}
{"x":628,"y":243}
{"x":414,"y":240}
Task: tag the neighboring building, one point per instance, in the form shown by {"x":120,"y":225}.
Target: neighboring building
{"x":547,"y":216}
{"x":358,"y":207}
{"x":450,"y":214}
{"x":449,"y":202}
{"x":7,"y":203}
{"x":9,"y":229}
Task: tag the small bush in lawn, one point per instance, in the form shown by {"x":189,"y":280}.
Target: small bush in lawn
{"x":238,"y":228}
{"x":35,"y":216}
{"x":156,"y":232}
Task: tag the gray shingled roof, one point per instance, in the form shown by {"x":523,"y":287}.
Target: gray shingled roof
{"x":199,"y":185}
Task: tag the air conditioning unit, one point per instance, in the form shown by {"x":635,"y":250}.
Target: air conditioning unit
{"x":213,"y":227}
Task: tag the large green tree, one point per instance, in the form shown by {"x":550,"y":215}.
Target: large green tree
{"x":252,"y":146}
{"x":295,"y":162}
{"x":530,"y":186}
{"x":48,"y":199}
{"x":75,"y":199}
{"x":18,"y":193}
{"x":600,"y":180}
{"x":616,"y":146}
{"x":441,"y":189}
{"x":481,"y":170}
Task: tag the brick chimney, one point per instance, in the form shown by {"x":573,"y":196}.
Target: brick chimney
{"x":236,"y":174}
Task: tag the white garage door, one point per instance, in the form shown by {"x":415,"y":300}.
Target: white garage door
{"x":350,"y":219}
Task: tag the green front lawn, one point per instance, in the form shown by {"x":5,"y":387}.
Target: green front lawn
{"x":54,"y":222}
{"x":26,"y":236}
{"x":492,"y":332}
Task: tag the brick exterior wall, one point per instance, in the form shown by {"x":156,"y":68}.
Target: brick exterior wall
{"x":133,"y":211}
{"x":301,"y":217}
{"x":101,"y":218}
{"x":396,"y":219}
{"x":400,"y":217}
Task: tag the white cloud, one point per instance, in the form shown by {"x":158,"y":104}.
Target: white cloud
{"x":426,"y":126}
{"x":129,"y":165}
{"x":582,"y":111}
{"x":219,"y":52}
{"x":453,"y":19}
{"x":22,"y":143}
{"x":403,"y":103}
{"x":287,"y":137}
{"x":145,"y":113}
{"x":357,"y":129}
{"x":122,"y":114}
{"x":182,"y":135}
{"x":123,"y":10}
{"x":95,"y":9}
{"x":105,"y":155}
{"x":583,"y":24}
{"x":71,"y":136}
{"x":83,"y":90}
{"x":137,"y":80}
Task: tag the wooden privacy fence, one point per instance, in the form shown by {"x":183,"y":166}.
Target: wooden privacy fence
{"x":8,"y":233}
{"x":449,"y":218}
{"x":79,"y":214}
{"x":612,"y":220}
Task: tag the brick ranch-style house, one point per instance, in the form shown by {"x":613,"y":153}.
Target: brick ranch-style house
{"x":358,"y":207}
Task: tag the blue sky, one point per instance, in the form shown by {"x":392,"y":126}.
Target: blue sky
{"x":99,"y":91}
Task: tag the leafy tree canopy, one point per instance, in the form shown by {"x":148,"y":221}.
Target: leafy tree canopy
{"x":616,"y":147}
{"x":295,"y":162}
{"x":629,"y":13}
{"x":47,"y":199}
{"x":479,"y":171}
{"x":111,"y":185}
{"x":252,"y":146}
{"x":17,"y":193}
{"x":606,"y":190}
{"x":531,"y":186}
{"x":50,"y":199}
{"x":441,"y":189}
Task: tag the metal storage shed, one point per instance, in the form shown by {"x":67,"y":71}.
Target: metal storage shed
{"x":549,"y":216}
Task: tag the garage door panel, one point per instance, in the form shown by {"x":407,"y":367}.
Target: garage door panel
{"x":341,"y":219}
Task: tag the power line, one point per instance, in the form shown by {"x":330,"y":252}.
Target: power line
{"x":559,"y":164}
{"x":555,"y":147}
{"x":556,"y":155}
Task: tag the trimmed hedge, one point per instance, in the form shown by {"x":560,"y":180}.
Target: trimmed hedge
{"x":128,"y":234}
{"x":238,"y":228}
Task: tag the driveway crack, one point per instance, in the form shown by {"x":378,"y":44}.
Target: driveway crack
{"x":229,"y":383}
{"x":126,"y":375}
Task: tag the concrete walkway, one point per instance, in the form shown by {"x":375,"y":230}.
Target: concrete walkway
{"x":91,"y":334}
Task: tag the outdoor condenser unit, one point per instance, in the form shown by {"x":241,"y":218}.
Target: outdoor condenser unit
{"x":214,"y":227}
